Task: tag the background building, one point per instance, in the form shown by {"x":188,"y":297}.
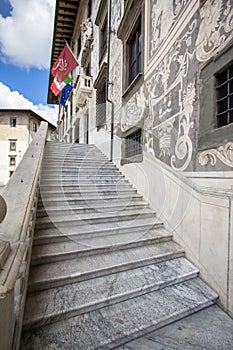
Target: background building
{"x":17,"y":128}
{"x":154,"y":91}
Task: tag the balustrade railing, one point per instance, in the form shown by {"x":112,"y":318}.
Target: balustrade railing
{"x":18,"y":212}
{"x":83,"y":90}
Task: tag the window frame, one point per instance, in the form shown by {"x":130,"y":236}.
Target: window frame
{"x":129,"y":144}
{"x":133,"y":15}
{"x":100,"y":84}
{"x":34,"y":127}
{"x":12,"y":149}
{"x":210,"y":136}
{"x":224,"y":104}
{"x":133,"y":143}
{"x":135,"y":38}
{"x":12,"y":161}
{"x":103,"y":38}
{"x":13,"y":122}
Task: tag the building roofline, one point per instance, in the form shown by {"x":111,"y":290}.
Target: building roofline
{"x":32,"y":113}
{"x":64,"y":23}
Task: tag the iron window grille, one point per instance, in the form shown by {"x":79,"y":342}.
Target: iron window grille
{"x":135,"y":54}
{"x":224,"y":97}
{"x":133,"y":145}
{"x":101,"y":96}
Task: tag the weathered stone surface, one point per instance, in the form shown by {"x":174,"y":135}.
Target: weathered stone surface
{"x":3,"y":208}
{"x":208,"y":329}
{"x":104,"y":270}
{"x":4,"y":252}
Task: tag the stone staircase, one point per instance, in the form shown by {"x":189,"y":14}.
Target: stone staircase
{"x":104,"y":270}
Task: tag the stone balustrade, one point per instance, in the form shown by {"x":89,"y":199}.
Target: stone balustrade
{"x":83,"y":90}
{"x":17,"y":213}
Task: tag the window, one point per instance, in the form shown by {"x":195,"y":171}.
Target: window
{"x":133,"y":145}
{"x":216,"y":101}
{"x":101,"y":95}
{"x":12,"y":161}
{"x":100,"y":84}
{"x":224,"y":97}
{"x":89,"y":8}
{"x":13,"y":122}
{"x":11,"y":173}
{"x":12,"y":145}
{"x":34,"y":127}
{"x":131,"y":32}
{"x":79,"y":45}
{"x":103,"y":38}
{"x":135,"y":53}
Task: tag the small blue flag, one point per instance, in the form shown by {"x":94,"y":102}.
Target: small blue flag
{"x":65,"y":94}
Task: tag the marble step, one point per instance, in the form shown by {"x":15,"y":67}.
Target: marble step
{"x":72,"y":161}
{"x":74,"y":151}
{"x":90,"y":200}
{"x":76,"y":158}
{"x":60,"y":176}
{"x":93,"y":218}
{"x":84,"y":178}
{"x":76,"y":185}
{"x":83,"y":246}
{"x":88,"y":180}
{"x":137,"y":227}
{"x":81,"y":181}
{"x":78,"y":209}
{"x":80,"y":268}
{"x":101,"y":193}
{"x":119,"y":323}
{"x":52,"y":305}
{"x":68,"y":170}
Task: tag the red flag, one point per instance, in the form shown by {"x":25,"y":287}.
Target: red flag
{"x":65,"y":63}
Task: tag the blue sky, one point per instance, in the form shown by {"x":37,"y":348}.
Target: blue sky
{"x":26,"y":28}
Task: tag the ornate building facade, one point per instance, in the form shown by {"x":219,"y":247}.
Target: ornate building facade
{"x":154,"y":91}
{"x":17,"y":129}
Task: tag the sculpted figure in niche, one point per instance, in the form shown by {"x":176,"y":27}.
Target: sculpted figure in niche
{"x":87,"y":36}
{"x":87,"y":33}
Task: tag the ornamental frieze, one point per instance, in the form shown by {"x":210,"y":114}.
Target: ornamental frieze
{"x":223,"y":153}
{"x":216,"y":28}
{"x":171,"y":95}
{"x":164,"y":14}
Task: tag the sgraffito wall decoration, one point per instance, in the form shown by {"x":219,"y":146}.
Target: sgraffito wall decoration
{"x":223,"y":153}
{"x":171,"y":96}
{"x":215,"y":28}
{"x":133,"y":110}
{"x":166,"y":105}
{"x":164,"y":15}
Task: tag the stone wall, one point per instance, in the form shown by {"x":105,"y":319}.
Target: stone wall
{"x":180,"y":38}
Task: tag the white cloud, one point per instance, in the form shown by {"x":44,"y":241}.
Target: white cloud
{"x":15,"y":100}
{"x":26,"y":34}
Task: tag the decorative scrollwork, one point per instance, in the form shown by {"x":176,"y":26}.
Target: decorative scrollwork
{"x":183,"y":147}
{"x":213,"y":32}
{"x":223,"y":153}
